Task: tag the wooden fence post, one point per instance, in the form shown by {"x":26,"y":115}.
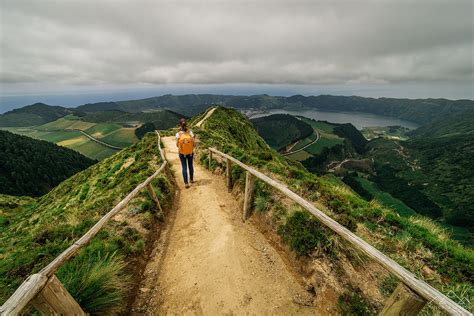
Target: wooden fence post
{"x":153,"y":196}
{"x":54,"y":299}
{"x":210,"y":158}
{"x":229,"y":175}
{"x":403,"y":301}
{"x":249,"y":186}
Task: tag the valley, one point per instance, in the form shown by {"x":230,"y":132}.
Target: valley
{"x":392,"y":167}
{"x":373,"y":187}
{"x":97,"y":135}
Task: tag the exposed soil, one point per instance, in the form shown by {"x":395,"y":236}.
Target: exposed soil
{"x":207,"y":261}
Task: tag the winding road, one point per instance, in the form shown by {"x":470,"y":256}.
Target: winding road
{"x":99,"y":141}
{"x":318,"y":136}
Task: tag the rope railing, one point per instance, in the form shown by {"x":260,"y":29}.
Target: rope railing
{"x":402,"y":301}
{"x":43,"y":289}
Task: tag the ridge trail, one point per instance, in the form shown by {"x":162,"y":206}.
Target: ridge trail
{"x":213,"y":263}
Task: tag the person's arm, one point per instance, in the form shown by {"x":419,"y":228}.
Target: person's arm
{"x":194,"y":140}
{"x":177,"y":139}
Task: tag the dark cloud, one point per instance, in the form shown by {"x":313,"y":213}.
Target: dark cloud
{"x":203,"y":42}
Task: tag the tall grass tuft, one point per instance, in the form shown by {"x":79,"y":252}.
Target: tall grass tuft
{"x":431,"y":226}
{"x":98,"y":283}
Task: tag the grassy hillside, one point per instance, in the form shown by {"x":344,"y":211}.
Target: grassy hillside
{"x":35,"y":231}
{"x":32,"y":167}
{"x":281,"y":130}
{"x":415,"y":242}
{"x":35,"y":114}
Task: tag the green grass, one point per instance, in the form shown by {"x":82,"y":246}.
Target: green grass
{"x":59,"y":132}
{"x":385,"y":198}
{"x":102,"y":129}
{"x":93,"y":150}
{"x":122,"y":137}
{"x":35,"y":231}
{"x":65,"y":123}
{"x":322,"y":143}
{"x":327,"y":138}
{"x":413,"y":244}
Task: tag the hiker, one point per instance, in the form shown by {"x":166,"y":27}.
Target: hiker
{"x":185,"y":143}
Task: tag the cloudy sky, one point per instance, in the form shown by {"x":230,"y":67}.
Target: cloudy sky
{"x":379,"y":48}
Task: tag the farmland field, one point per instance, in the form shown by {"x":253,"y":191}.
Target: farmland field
{"x":65,"y":132}
{"x":122,"y":137}
{"x":327,"y":139}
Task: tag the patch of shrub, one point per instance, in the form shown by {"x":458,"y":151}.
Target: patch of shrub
{"x":353,"y":303}
{"x":388,"y":285}
{"x":98,"y":283}
{"x":304,"y":234}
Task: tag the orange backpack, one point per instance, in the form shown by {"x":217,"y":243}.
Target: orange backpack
{"x":185,"y":143}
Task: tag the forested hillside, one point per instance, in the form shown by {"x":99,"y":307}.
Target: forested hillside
{"x":433,"y":169}
{"x":33,"y":167}
{"x":35,"y":114}
{"x":162,"y":119}
{"x":439,"y":260}
{"x":281,"y":130}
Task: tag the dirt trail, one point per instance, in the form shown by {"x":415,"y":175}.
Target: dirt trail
{"x":213,"y":263}
{"x":209,"y":113}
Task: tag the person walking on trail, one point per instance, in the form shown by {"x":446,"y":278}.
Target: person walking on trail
{"x":185,"y":142}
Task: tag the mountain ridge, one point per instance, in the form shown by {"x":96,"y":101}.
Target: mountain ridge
{"x":421,"y":111}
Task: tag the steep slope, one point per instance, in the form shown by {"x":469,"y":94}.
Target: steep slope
{"x":35,"y":114}
{"x":103,"y":274}
{"x":338,"y":272}
{"x":33,"y":167}
{"x":437,"y":163}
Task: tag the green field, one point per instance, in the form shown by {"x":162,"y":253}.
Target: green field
{"x":102,"y":129}
{"x":385,"y":198}
{"x":122,"y":137}
{"x":65,"y":132}
{"x":327,"y":139}
{"x":65,"y":123}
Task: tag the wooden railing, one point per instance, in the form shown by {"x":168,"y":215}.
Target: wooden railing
{"x":411,"y":294}
{"x":44,"y":290}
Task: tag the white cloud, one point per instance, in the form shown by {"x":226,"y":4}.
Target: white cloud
{"x":201,"y":42}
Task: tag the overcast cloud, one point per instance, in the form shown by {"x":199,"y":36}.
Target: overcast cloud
{"x":95,"y":43}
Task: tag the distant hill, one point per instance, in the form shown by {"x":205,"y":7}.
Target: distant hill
{"x":421,"y":111}
{"x":459,"y":123}
{"x":162,"y":119}
{"x":281,"y":130}
{"x":33,"y":167}
{"x":35,"y":114}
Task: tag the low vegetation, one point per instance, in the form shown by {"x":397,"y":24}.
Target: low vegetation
{"x":35,"y":231}
{"x":412,"y":243}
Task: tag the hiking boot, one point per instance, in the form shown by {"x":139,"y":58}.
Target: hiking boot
{"x":186,"y":186}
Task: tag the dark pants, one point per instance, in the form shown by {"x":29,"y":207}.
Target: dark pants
{"x":189,"y":160}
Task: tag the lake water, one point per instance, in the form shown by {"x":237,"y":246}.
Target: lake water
{"x":358,"y":119}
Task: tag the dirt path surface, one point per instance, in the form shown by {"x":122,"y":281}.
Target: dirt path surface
{"x":209,"y":113}
{"x":209,"y":262}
